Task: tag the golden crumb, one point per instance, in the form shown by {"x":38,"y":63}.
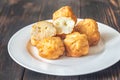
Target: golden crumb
{"x":76,"y":44}
{"x":51,"y":47}
{"x":90,"y":28}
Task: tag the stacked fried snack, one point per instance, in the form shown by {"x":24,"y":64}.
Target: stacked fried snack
{"x":64,"y":35}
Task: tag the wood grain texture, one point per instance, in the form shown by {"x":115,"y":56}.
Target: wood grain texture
{"x":15,"y":14}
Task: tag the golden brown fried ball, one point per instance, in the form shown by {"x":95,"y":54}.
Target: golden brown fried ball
{"x":90,"y":28}
{"x":64,"y":20}
{"x":51,"y":47}
{"x":41,"y":30}
{"x":76,"y":44}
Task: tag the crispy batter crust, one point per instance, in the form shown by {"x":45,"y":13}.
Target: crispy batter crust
{"x":65,"y":11}
{"x":76,"y":44}
{"x":51,"y":47}
{"x":90,"y":28}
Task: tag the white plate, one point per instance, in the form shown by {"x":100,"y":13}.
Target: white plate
{"x":102,"y":56}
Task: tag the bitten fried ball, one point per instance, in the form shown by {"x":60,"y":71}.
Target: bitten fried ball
{"x":64,"y":20}
{"x":76,"y":44}
{"x":51,"y":47}
{"x":90,"y":28}
{"x":40,"y":30}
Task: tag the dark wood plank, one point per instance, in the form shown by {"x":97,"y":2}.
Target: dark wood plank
{"x":30,"y":75}
{"x":48,"y":7}
{"x":9,"y":70}
{"x":102,"y":11}
{"x":15,"y":14}
{"x":12,"y":18}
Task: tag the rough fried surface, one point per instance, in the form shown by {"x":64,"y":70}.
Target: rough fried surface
{"x":90,"y":28}
{"x":65,"y":11}
{"x":76,"y":44}
{"x":51,"y":47}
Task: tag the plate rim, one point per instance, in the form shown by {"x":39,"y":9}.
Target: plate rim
{"x":8,"y":47}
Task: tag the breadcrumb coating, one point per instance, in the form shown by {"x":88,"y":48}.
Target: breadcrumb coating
{"x":90,"y":28}
{"x":51,"y":47}
{"x":76,"y":44}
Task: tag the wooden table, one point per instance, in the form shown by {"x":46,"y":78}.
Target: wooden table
{"x":16,"y":14}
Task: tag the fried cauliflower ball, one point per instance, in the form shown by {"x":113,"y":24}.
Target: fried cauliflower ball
{"x":64,"y":20}
{"x":41,"y":30}
{"x":90,"y":28}
{"x":76,"y":44}
{"x":51,"y":47}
